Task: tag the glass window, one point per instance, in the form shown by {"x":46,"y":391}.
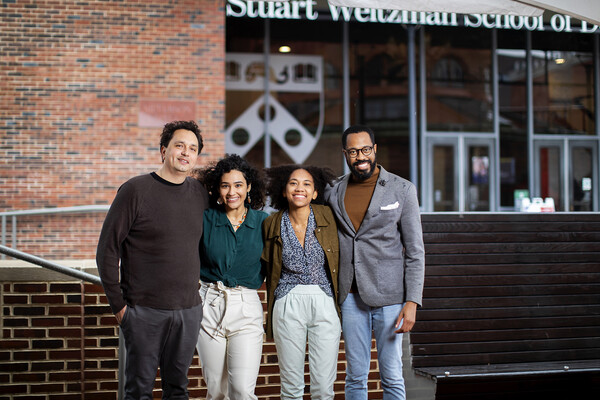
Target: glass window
{"x":459,"y":89}
{"x":305,"y":99}
{"x":244,"y":87}
{"x":379,"y":90}
{"x":563,"y":80}
{"x":319,"y":112}
{"x":512,"y":98}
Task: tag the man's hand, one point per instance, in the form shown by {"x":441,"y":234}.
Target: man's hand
{"x":120,"y":314}
{"x":407,"y":317}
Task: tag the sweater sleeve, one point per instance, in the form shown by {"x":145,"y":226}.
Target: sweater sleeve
{"x":119,"y":220}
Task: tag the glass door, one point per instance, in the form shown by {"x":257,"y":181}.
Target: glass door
{"x":443,"y":160}
{"x":583,"y":177}
{"x":478,"y":164}
{"x":549,"y":179}
{"x":461,"y":174}
{"x":564,"y":170}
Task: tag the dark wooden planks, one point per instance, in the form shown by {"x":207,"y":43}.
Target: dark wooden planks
{"x":509,"y":288}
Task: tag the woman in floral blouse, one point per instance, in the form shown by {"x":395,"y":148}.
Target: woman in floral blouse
{"x":301,"y":255}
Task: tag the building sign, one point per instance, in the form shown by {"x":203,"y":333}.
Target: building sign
{"x":295,"y":10}
{"x":287,"y":73}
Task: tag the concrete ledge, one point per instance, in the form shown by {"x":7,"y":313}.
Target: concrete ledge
{"x":21,"y":271}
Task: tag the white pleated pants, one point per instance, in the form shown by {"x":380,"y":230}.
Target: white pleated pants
{"x":230,"y":341}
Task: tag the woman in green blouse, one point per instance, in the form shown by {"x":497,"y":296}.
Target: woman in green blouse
{"x":231,"y":334}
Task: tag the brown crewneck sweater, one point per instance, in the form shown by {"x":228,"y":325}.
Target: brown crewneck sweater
{"x":148,"y":251}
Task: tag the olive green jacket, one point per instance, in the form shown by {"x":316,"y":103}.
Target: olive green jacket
{"x":271,"y":258}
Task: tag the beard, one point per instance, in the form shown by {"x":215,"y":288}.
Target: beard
{"x":363,"y":175}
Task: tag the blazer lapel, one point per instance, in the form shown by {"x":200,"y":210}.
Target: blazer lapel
{"x":377,"y":198}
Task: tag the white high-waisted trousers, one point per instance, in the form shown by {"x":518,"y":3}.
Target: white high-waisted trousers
{"x":230,"y":341}
{"x":306,"y":313}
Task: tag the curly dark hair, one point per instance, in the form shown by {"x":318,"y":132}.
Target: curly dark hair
{"x":279,"y":176}
{"x":211,"y":177}
{"x":170,"y":128}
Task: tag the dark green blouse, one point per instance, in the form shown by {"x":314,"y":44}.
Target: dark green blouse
{"x":232,"y":257}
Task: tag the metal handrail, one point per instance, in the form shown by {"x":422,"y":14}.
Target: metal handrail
{"x":50,"y":265}
{"x":79,"y":275}
{"x":42,"y":211}
{"x":56,"y":210}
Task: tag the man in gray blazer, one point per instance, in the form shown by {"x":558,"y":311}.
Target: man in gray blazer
{"x":382,"y":263}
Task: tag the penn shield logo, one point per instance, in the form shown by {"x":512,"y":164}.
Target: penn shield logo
{"x":246,"y":72}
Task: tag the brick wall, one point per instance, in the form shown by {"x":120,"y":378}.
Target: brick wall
{"x":73,"y":76}
{"x":58,"y":236}
{"x":47,"y":353}
{"x":58,"y":341}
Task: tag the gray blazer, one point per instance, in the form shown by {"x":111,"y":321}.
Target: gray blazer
{"x":387,"y":254}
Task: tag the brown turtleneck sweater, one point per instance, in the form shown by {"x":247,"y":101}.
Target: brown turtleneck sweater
{"x":358,"y":197}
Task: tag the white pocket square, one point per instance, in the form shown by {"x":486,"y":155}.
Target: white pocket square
{"x":390,"y":206}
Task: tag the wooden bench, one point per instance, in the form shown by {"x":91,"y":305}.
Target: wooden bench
{"x":511,"y":306}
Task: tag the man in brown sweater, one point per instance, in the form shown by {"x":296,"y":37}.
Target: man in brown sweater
{"x":382,"y":263}
{"x":149,"y":263}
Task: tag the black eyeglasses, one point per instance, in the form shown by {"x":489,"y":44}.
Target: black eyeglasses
{"x":367,"y":150}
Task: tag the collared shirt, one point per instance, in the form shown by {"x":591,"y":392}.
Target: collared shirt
{"x":232,"y":257}
{"x":301,"y":265}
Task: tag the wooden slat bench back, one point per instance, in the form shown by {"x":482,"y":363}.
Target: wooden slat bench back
{"x":509,"y":293}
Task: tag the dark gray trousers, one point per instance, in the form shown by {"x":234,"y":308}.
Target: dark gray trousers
{"x":159,"y":338}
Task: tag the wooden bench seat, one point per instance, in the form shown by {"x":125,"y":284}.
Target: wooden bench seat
{"x":511,"y":306}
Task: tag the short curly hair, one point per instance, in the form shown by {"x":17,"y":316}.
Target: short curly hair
{"x":357,"y":129}
{"x":279,"y":176}
{"x":170,"y":128}
{"x":211,"y":177}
